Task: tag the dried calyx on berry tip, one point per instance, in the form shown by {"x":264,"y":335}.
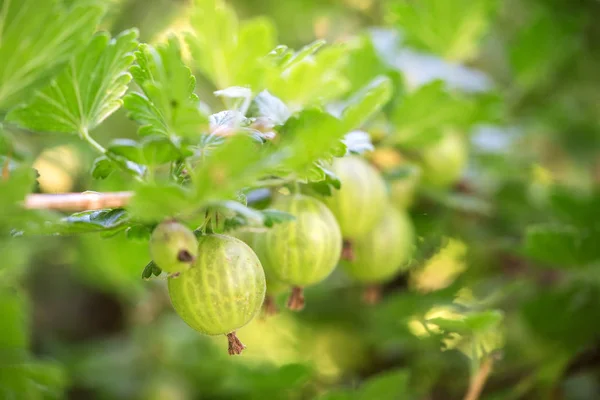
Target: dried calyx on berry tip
{"x":296,"y":300}
{"x":372,"y":294}
{"x":235,"y":346}
{"x":269,"y":306}
{"x":185,"y":256}
{"x":347,"y":251}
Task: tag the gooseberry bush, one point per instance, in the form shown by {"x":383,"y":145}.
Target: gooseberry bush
{"x":352,"y":186}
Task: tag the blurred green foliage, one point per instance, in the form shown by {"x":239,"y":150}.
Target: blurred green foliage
{"x":507,"y":261}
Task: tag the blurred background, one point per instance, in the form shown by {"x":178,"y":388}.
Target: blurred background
{"x":96,"y":330}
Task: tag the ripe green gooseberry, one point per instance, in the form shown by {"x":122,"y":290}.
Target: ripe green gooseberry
{"x":304,"y":251}
{"x":173,"y":247}
{"x":380,"y":254}
{"x":444,"y":162}
{"x":274,"y":286}
{"x":223,"y":291}
{"x":402,"y":190}
{"x":361,"y":200}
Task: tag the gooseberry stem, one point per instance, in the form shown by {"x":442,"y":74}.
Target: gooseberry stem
{"x":479,"y":378}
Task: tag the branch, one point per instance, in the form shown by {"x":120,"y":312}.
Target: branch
{"x":77,"y":201}
{"x":97,"y":201}
{"x":478,"y":381}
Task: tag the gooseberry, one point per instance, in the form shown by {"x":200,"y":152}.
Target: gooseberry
{"x":223,"y":291}
{"x":304,"y":251}
{"x":173,"y":246}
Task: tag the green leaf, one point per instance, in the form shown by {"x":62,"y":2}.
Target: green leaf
{"x":239,"y":162}
{"x":151,"y":269}
{"x":389,"y":385}
{"x":575,"y":208}
{"x":451,"y":29}
{"x":364,"y":63}
{"x":94,"y":221}
{"x":338,"y":395}
{"x":14,"y":333}
{"x":254,"y":216}
{"x":138,"y":232}
{"x":272,"y":217}
{"x":481,"y":322}
{"x":315,"y":80}
{"x":391,"y":316}
{"x":332,"y":178}
{"x":367,"y":102}
{"x":227,"y":52}
{"x":420,"y":116}
{"x":126,"y":148}
{"x":321,"y":188}
{"x":36,"y":38}
{"x":543,"y":43}
{"x":157,"y":150}
{"x":147,"y":272}
{"x":317,"y":172}
{"x":168,"y":105}
{"x":299,"y":134}
{"x":32,"y":380}
{"x":86,"y":92}
{"x":13,"y":218}
{"x":102,"y":168}
{"x":303,"y":54}
{"x":556,"y":245}
{"x":231,"y":224}
{"x":155,"y":201}
{"x":450,"y":325}
{"x":566,"y":317}
{"x":19,"y":184}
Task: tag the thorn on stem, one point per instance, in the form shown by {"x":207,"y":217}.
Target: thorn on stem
{"x":296,"y":300}
{"x":235,"y":346}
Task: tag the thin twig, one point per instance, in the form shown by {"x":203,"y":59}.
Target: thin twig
{"x":77,"y":201}
{"x":6,"y":168}
{"x":95,"y":200}
{"x":478,"y":381}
